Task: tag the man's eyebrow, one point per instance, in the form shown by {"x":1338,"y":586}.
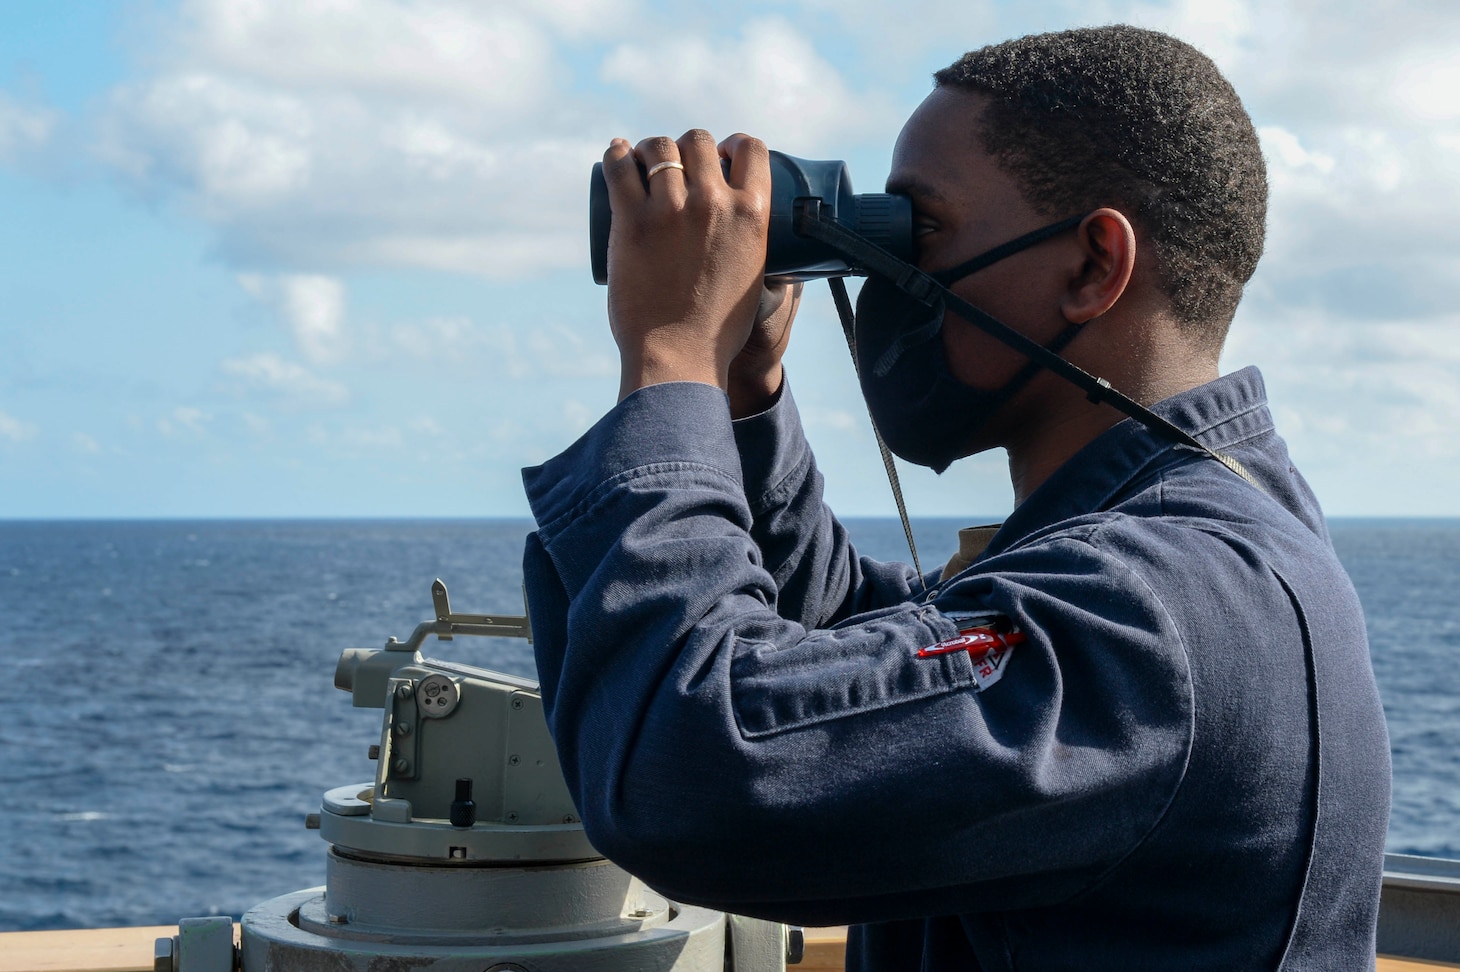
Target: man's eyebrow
{"x":915,"y":187}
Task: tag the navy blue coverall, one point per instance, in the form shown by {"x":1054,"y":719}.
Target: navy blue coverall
{"x":1174,"y":758}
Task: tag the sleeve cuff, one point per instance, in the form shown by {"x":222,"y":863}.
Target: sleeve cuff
{"x":772,"y":447}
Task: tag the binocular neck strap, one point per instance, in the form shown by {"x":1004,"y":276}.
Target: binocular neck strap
{"x":865,"y":256}
{"x":847,"y":315}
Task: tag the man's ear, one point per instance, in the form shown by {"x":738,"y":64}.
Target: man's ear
{"x":1108,"y":244}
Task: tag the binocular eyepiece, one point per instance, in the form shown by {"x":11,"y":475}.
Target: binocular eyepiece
{"x":884,"y":219}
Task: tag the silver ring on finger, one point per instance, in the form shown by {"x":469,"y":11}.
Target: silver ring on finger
{"x":667,"y":164}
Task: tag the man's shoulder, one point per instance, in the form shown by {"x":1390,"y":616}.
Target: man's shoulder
{"x":1195,"y":537}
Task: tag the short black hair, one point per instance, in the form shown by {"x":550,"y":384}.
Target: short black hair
{"x":1144,"y":123}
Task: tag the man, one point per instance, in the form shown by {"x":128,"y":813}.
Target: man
{"x":1139,"y":729}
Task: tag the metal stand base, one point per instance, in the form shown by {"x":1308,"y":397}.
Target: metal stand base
{"x":689,"y":940}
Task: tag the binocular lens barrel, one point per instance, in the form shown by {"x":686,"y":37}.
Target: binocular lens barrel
{"x":883,"y":218}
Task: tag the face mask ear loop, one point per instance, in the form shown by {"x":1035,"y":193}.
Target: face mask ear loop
{"x":845,"y":312}
{"x":954,"y":274}
{"x":866,"y":257}
{"x":947,"y":278}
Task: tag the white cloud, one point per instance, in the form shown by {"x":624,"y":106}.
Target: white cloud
{"x":312,"y":306}
{"x":381,"y":133}
{"x":374,"y":439}
{"x":344,"y":437}
{"x":561,"y":351}
{"x":316,"y":310}
{"x":1361,"y":220}
{"x":579,"y":19}
{"x":336,"y":179}
{"x":920,"y":37}
{"x":516,"y":350}
{"x":450,"y":340}
{"x":1288,"y":159}
{"x":1221,"y":29}
{"x":770,"y":81}
{"x":1427,"y":87}
{"x":1385,"y":391}
{"x":15,"y":429}
{"x":445,"y":135}
{"x":23,"y":128}
{"x":483,"y":54}
{"x":191,"y":419}
{"x":578,"y":417}
{"x":234,"y":144}
{"x":257,"y":425}
{"x":291,"y":381}
{"x":427,"y":427}
{"x":85,"y":444}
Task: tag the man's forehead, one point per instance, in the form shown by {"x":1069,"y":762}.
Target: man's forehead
{"x":937,"y":142}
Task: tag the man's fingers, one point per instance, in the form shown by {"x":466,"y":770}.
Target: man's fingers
{"x":749,"y":163}
{"x":772,"y":298}
{"x":686,"y":258}
{"x":701,"y":160}
{"x":663,"y":180}
{"x":621,"y":172}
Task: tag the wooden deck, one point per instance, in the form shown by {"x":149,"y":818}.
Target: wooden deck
{"x":130,"y":950}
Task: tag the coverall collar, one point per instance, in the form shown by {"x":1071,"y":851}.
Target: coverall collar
{"x":1223,"y":414}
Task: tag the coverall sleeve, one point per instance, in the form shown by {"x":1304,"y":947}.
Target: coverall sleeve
{"x":736,"y":758}
{"x":819,"y":579}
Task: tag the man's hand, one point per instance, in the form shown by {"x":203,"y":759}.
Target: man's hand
{"x":686,"y":256}
{"x":755,"y":374}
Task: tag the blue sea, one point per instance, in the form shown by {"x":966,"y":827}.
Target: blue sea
{"x":167,"y":712}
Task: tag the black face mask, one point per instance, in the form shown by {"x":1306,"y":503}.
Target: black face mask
{"x":925,"y":414}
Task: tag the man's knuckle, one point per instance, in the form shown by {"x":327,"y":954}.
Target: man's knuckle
{"x":751,"y":205}
{"x":750,"y":146}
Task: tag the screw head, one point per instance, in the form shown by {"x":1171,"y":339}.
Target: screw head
{"x":401,"y":765}
{"x":516,"y":702}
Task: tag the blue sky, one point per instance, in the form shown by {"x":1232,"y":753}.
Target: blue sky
{"x":317,"y":258}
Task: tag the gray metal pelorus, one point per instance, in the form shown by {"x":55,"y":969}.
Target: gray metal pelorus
{"x":465,"y":854}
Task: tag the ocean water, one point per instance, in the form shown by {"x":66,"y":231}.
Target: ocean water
{"x":167,"y":712}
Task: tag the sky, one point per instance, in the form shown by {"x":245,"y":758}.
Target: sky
{"x":324,"y":258}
